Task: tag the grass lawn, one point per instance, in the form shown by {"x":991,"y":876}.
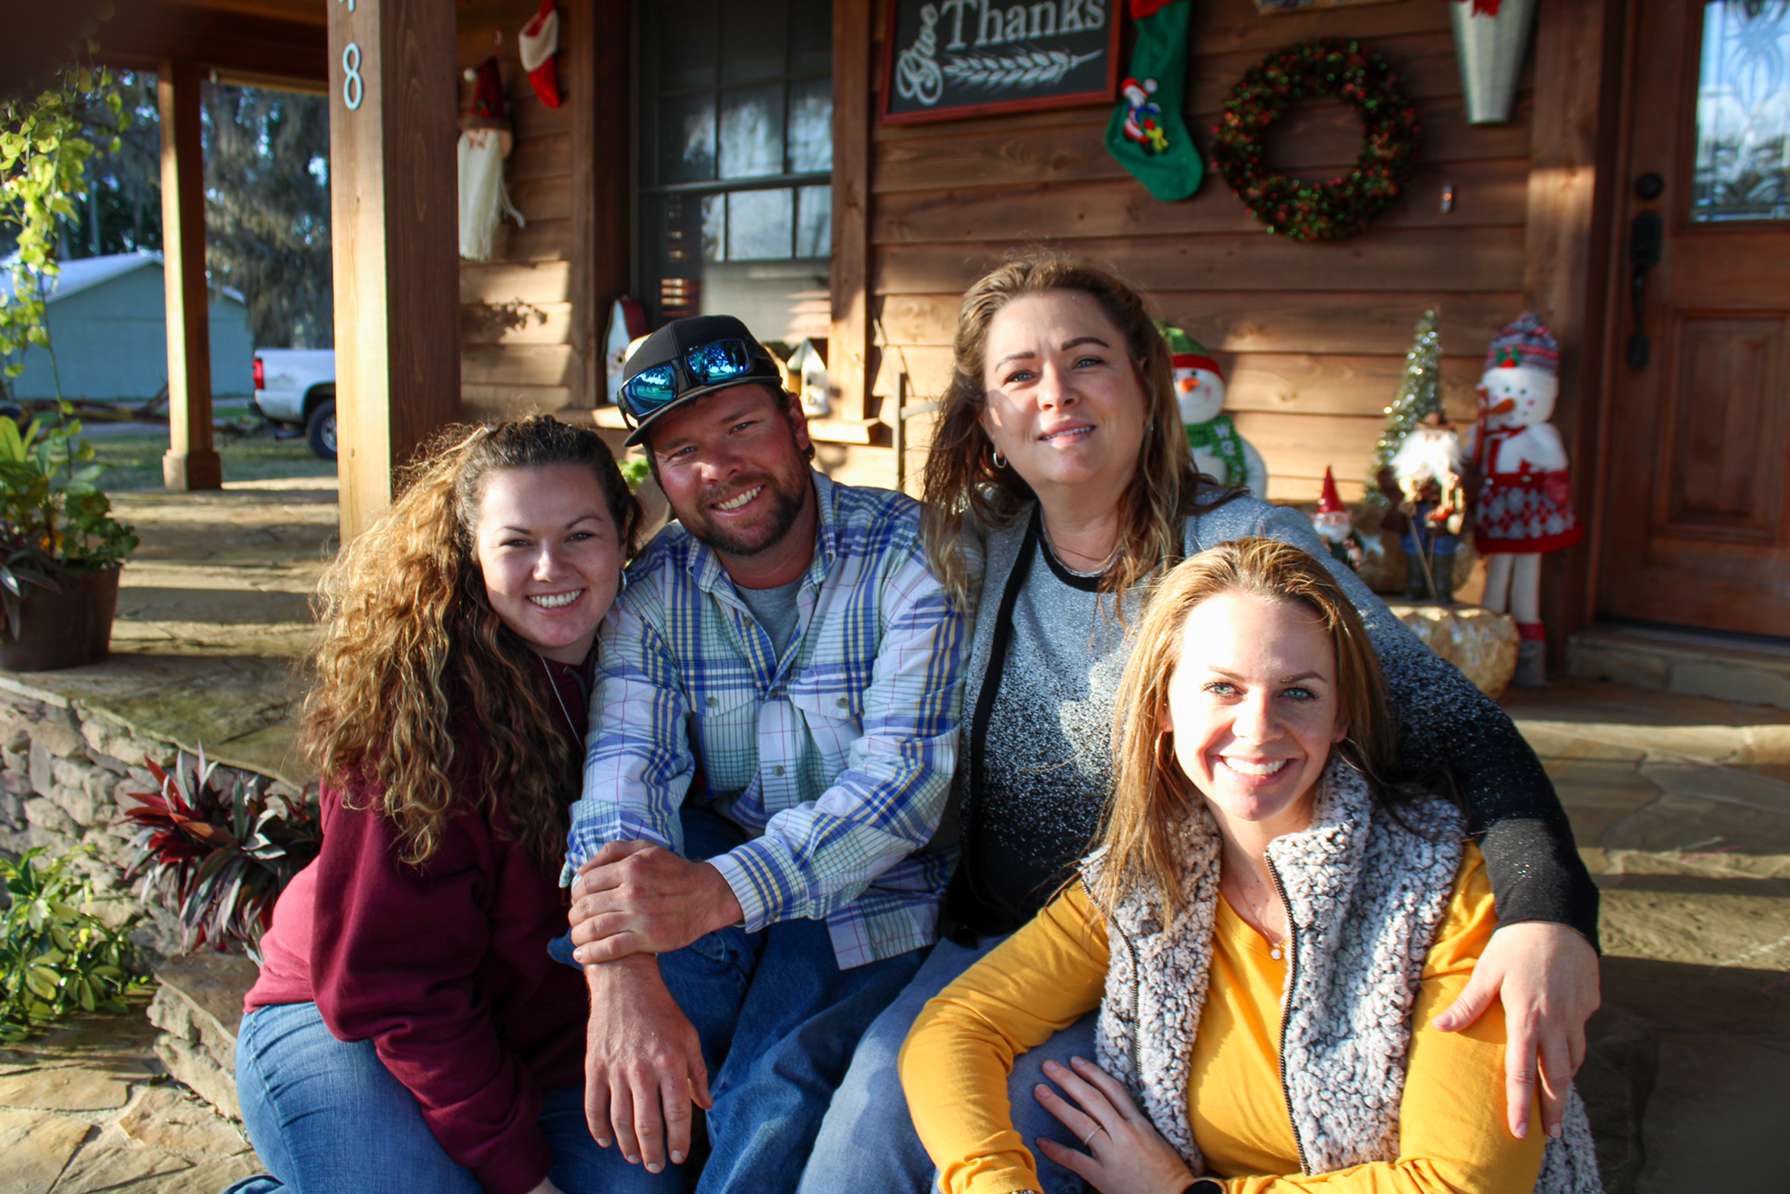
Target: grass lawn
{"x":134,"y":460}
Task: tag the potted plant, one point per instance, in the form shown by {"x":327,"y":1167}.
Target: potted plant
{"x":60,"y":547}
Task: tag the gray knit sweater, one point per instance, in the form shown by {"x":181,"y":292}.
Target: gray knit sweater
{"x":1366,"y":894}
{"x":1446,"y":725}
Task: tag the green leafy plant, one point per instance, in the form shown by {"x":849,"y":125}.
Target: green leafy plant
{"x":55,"y":955}
{"x":215,"y":856}
{"x":53,"y":517}
{"x":635,"y":471}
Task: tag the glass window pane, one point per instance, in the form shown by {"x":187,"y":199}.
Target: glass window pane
{"x":759,"y":224}
{"x":811,"y":38}
{"x":1743,"y":113}
{"x":687,"y":139}
{"x":754,"y":41}
{"x":714,"y":227}
{"x":688,"y":41}
{"x":811,"y":126}
{"x":752,"y":132}
{"x":814,"y":221}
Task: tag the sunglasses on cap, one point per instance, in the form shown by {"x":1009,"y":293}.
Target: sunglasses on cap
{"x":658,"y":386}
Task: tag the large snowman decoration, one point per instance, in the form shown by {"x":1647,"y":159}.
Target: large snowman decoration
{"x":1524,"y":505}
{"x":1218,"y":451}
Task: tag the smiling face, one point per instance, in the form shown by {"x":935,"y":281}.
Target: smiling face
{"x":1518,"y":395}
{"x":1199,"y":393}
{"x":734,"y":468}
{"x":1254,"y":709}
{"x":1064,"y":401}
{"x":550,"y":554}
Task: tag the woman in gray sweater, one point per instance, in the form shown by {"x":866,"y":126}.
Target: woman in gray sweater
{"x":1059,"y":460}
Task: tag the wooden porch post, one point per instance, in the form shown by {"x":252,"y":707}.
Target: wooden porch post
{"x":394,"y":238}
{"x":1566,"y":259}
{"x":848,"y":342}
{"x":190,"y":462}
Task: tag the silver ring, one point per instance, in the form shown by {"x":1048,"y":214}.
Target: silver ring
{"x":1092,"y":1132}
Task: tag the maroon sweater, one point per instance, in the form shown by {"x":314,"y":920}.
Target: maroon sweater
{"x":444,"y":968}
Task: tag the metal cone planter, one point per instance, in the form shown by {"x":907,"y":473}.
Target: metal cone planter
{"x":1490,"y":37}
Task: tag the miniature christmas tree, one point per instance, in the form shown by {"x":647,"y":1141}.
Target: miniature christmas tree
{"x":1419,"y":394}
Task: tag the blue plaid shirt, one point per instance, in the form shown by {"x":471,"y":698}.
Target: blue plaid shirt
{"x":835,"y":759}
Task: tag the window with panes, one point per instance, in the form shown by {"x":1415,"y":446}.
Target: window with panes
{"x":734,"y":161}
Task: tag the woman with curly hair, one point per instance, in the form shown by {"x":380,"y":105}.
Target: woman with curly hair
{"x":409,"y":1028}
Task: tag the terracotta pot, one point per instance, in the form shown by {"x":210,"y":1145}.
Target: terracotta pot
{"x":66,"y":629}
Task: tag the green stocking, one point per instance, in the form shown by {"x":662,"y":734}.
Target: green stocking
{"x":1146,"y":133}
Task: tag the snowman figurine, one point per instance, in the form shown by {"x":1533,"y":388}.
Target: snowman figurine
{"x":1218,"y":451}
{"x":1523,"y":507}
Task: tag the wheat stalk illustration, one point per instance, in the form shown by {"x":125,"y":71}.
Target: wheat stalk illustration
{"x":1028,"y":68}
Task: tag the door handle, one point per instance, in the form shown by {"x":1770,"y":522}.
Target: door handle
{"x":1646,"y":240}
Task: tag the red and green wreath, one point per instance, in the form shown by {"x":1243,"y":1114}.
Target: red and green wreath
{"x":1302,"y":209}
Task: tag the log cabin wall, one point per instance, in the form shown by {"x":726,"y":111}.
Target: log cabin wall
{"x":531,"y":318}
{"x":1312,"y":336}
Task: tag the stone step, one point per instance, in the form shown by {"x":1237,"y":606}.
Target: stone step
{"x":197,"y":1007}
{"x":1755,"y":671}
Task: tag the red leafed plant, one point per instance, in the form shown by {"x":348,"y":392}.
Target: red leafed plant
{"x":218,"y":857}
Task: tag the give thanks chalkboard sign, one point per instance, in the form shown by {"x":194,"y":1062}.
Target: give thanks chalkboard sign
{"x":944,"y":59}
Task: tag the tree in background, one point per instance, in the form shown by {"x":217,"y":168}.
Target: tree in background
{"x":1419,"y":394}
{"x":266,"y":208}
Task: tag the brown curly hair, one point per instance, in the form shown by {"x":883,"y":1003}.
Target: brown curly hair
{"x":410,"y":646}
{"x":961,"y":477}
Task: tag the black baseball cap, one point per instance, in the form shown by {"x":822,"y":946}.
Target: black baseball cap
{"x":688,"y":359}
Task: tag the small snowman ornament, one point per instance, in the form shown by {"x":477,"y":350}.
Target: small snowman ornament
{"x":1523,"y":507}
{"x":1218,"y":451}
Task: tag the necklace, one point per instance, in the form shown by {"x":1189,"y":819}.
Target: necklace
{"x":1253,"y":908}
{"x":1063,"y":557}
{"x":553,"y":687}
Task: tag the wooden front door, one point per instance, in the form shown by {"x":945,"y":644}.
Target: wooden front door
{"x":1697,"y":511}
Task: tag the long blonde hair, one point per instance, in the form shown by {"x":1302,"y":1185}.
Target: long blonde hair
{"x":410,"y":645}
{"x":961,"y":476}
{"x":1151,"y":794}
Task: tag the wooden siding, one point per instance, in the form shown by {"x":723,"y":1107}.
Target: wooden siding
{"x":531,"y":317}
{"x":1312,"y":337}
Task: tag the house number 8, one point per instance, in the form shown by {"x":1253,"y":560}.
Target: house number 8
{"x":354,"y":88}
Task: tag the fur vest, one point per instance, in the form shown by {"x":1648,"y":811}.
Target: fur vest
{"x":1366,"y":895}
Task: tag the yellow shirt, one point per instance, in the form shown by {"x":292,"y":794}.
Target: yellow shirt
{"x":1050,"y":973}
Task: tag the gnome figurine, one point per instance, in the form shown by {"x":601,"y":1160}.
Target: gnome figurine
{"x":1336,"y":526}
{"x":1433,"y":497}
{"x":1218,"y":451}
{"x":1523,"y":507}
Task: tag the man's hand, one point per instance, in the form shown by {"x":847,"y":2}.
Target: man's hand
{"x":1126,"y":1154}
{"x":1546,"y":976}
{"x":643,"y":1065}
{"x":637,"y":898}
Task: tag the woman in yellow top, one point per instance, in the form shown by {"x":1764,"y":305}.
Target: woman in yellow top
{"x":1257,"y":857}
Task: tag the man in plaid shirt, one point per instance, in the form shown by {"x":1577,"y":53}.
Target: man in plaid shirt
{"x":772,"y":739}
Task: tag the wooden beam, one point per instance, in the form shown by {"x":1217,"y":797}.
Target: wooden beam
{"x":237,"y":44}
{"x":594,"y":70}
{"x":394,"y":241}
{"x":191,"y":462}
{"x":1572,"y":187}
{"x":848,"y":340}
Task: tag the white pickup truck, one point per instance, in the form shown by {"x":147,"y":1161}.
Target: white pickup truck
{"x":297,"y":387}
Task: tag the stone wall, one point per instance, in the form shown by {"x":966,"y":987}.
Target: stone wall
{"x":64,"y":773}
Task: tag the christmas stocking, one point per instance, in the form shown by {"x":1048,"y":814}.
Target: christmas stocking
{"x":1146,"y":133}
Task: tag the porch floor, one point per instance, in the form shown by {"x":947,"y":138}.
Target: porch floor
{"x":1681,"y":804}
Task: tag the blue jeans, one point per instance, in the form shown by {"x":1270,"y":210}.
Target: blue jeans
{"x":778,"y":1021}
{"x":867,"y":1142}
{"x":326,"y":1115}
